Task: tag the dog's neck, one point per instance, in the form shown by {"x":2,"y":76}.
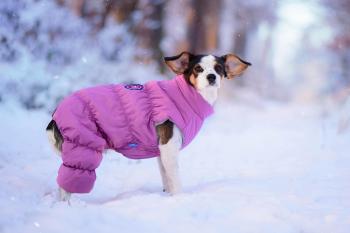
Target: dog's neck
{"x":210,"y":94}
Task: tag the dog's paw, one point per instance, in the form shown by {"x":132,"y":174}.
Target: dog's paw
{"x":60,"y":197}
{"x":174,"y":188}
{"x":175,"y":192}
{"x":54,"y":197}
{"x":63,"y":195}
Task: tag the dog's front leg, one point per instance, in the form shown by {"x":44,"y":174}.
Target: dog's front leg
{"x":169,"y":150}
{"x":162,"y":173}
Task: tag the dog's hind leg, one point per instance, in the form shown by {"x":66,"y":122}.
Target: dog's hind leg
{"x":56,"y":140}
{"x":63,"y":195}
{"x":55,"y":136}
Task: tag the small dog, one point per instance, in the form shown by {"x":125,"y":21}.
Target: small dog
{"x":156,"y":119}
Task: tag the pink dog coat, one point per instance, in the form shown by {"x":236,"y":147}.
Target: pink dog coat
{"x":123,"y":118}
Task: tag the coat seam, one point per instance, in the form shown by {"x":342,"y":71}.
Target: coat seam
{"x":92,"y":118}
{"x":184,"y":97}
{"x":82,"y":145}
{"x":134,"y":139}
{"x":77,"y":168}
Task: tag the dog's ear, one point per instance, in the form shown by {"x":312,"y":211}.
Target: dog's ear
{"x":234,"y":65}
{"x":179,"y":63}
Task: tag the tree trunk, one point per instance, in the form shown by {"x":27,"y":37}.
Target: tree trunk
{"x":204,"y":26}
{"x":148,"y":31}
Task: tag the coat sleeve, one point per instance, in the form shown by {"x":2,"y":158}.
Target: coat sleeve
{"x":82,"y":146}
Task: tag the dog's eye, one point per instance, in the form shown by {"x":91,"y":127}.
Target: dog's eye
{"x":218,"y":68}
{"x":198,"y":69}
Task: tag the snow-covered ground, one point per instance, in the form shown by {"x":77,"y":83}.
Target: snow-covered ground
{"x":273,"y":168}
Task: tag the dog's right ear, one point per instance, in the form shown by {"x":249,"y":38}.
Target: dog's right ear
{"x":179,"y":63}
{"x":234,"y":65}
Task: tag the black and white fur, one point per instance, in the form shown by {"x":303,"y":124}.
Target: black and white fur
{"x":205,"y":74}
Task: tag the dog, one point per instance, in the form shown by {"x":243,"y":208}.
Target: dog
{"x":156,"y":119}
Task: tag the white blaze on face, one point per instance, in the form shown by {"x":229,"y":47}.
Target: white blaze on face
{"x":209,"y":92}
{"x":207,"y":63}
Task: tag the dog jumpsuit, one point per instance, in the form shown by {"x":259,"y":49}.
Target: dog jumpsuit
{"x":123,"y":118}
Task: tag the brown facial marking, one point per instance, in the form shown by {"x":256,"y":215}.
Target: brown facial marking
{"x":165,"y":132}
{"x":198,"y":69}
{"x":219,"y":69}
{"x":193,"y":79}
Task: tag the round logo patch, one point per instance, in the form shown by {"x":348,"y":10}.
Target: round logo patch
{"x":134,"y":86}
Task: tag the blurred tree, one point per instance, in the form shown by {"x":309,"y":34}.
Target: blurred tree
{"x":143,"y":18}
{"x":10,"y":21}
{"x":253,"y":23}
{"x":122,"y":10}
{"x":178,"y":14}
{"x":246,"y":18}
{"x":94,"y":11}
{"x":204,"y":25}
{"x":147,"y":27}
{"x":202,"y":22}
{"x":338,"y":16}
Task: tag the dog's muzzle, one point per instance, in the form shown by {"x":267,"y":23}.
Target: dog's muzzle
{"x":211,"y":79}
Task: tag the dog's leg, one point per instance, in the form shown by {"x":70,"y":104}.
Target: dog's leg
{"x":55,"y":136}
{"x":168,"y":157}
{"x":162,"y":173}
{"x":63,"y":195}
{"x":56,"y":140}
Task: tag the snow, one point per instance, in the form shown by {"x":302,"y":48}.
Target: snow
{"x":256,"y":166}
{"x":51,"y":58}
{"x":270,"y":168}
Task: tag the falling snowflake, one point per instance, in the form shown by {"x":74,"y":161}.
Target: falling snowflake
{"x":36,"y":224}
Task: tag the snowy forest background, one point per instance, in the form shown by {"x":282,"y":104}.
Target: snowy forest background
{"x":299,"y":49}
{"x":274,"y":157}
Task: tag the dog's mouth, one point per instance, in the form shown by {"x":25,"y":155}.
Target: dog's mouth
{"x":212,"y":83}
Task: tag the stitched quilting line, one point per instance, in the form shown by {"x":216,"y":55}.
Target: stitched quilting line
{"x":134,"y":140}
{"x":171,"y":99}
{"x":183,"y":130}
{"x":208,"y":107}
{"x":184,"y":97}
{"x":81,"y":145}
{"x":78,"y":168}
{"x":101,"y":133}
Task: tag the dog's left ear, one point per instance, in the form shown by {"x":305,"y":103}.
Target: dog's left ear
{"x":234,"y":65}
{"x":179,"y":63}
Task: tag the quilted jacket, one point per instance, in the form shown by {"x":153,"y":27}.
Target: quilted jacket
{"x":123,"y":118}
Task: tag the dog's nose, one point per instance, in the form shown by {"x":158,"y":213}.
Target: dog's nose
{"x":211,"y":78}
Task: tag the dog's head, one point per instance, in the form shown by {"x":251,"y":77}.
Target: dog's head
{"x":206,"y":71}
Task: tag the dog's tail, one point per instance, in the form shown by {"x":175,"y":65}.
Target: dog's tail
{"x":55,"y":136}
